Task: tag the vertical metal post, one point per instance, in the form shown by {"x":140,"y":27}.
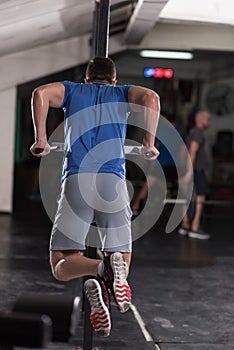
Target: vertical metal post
{"x":95,"y":29}
{"x":101,"y":28}
{"x":101,"y":23}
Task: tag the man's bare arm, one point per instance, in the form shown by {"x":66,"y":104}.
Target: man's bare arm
{"x":148,"y":99}
{"x":43,"y":97}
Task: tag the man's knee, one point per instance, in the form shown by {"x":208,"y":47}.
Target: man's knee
{"x":56,"y":263}
{"x":59,"y":265}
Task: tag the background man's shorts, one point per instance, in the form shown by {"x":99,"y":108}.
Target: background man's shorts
{"x":201,"y":182}
{"x":86,"y":198}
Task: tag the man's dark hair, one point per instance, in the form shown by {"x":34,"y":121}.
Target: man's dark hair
{"x":101,"y":68}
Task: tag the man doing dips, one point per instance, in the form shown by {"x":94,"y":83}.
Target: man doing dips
{"x":93,"y":185}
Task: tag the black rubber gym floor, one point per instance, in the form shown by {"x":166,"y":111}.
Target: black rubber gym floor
{"x":183,"y":289}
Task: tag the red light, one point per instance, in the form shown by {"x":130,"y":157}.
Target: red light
{"x":168,"y":73}
{"x":158,"y":73}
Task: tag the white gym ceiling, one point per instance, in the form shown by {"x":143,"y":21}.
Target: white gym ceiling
{"x":31,"y":23}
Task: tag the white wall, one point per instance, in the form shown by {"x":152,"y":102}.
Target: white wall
{"x":28,"y":65}
{"x":7,"y":142}
{"x":189,"y":37}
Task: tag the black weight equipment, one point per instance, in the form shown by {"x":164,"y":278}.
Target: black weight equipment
{"x":64,"y":311}
{"x":24,"y":329}
{"x":193,"y":202}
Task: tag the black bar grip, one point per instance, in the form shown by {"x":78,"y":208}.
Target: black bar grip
{"x":38,"y":150}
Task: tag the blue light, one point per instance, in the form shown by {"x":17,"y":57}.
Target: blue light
{"x":149,"y":72}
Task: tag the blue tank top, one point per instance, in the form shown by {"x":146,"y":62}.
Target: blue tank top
{"x":94,"y":128}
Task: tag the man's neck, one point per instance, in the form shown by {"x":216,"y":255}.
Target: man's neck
{"x":103,"y":82}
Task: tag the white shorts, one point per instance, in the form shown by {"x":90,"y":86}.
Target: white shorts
{"x":88,"y":198}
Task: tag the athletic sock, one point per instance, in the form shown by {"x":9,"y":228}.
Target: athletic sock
{"x":100,"y":268}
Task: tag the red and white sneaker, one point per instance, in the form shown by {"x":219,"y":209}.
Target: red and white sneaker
{"x":120,"y":287}
{"x":99,"y":301}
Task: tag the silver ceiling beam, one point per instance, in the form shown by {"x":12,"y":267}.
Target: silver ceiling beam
{"x":144,"y":17}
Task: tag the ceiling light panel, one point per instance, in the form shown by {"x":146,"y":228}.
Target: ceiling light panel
{"x":174,"y":55}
